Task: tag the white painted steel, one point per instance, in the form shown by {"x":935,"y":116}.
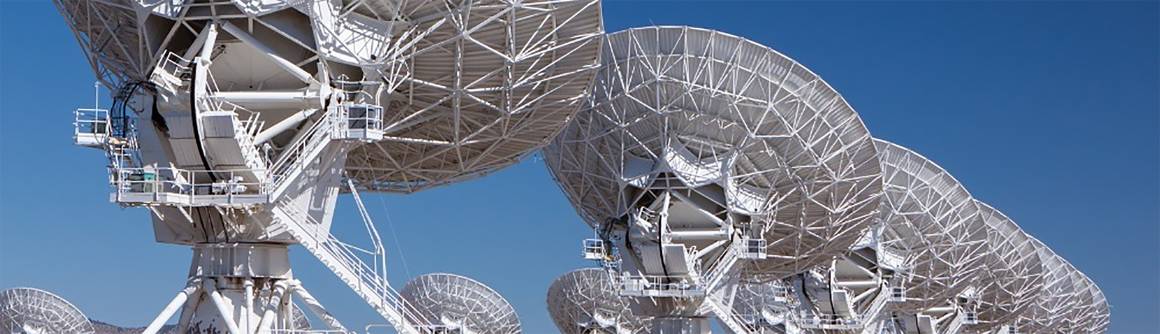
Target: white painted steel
{"x":584,"y":301}
{"x":455,"y":302}
{"x":492,"y":81}
{"x":934,"y":224}
{"x":35,"y":311}
{"x":1012,"y":278}
{"x":699,"y":109}
{"x":463,"y":87}
{"x":1052,"y":308}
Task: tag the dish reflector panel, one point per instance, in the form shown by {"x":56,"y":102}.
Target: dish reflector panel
{"x":460,"y":302}
{"x":686,"y":107}
{"x":35,"y":311}
{"x":584,"y":301}
{"x":930,"y":220}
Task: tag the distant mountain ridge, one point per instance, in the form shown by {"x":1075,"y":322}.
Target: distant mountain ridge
{"x":107,"y":328}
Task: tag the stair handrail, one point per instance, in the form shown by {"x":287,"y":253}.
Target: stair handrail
{"x":723,"y":266}
{"x":318,"y":134}
{"x":728,"y":317}
{"x":366,"y":275}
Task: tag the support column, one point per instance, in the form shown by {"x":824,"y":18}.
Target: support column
{"x":290,"y":67}
{"x":224,"y":309}
{"x":172,"y":308}
{"x":317,"y":308}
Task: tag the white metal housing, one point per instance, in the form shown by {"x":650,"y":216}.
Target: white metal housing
{"x":237,"y":123}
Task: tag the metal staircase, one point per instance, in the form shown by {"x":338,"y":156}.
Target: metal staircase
{"x":265,"y":182}
{"x":725,"y":267}
{"x":731,"y":320}
{"x":368,"y":281}
{"x":252,"y":178}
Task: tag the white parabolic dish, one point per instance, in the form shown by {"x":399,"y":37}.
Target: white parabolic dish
{"x":934,"y":223}
{"x":468,"y":88}
{"x":35,"y":311}
{"x":715,"y":110}
{"x":457,"y":301}
{"x":584,"y":301}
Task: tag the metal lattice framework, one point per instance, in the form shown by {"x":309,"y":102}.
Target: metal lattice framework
{"x":1013,"y":277}
{"x":1101,"y":318}
{"x":471,"y":86}
{"x":1083,"y":311}
{"x":761,"y":303}
{"x":28,"y":310}
{"x":1052,"y":308}
{"x":491,"y":82}
{"x":932,"y":221}
{"x":584,"y":301}
{"x":686,"y":107}
{"x":461,"y":302}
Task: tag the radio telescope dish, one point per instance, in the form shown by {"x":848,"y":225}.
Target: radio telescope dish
{"x":455,"y":301}
{"x":1091,"y":314}
{"x":35,"y":311}
{"x":933,"y":223}
{"x":1052,"y":308}
{"x":238,"y":123}
{"x":1083,"y":306}
{"x":1101,"y":317}
{"x":1013,"y":276}
{"x":743,"y":133}
{"x":491,"y":83}
{"x":584,"y":301}
{"x":471,"y":87}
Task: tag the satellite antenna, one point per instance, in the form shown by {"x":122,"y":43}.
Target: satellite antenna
{"x":1083,"y":310}
{"x":584,"y":301}
{"x":460,"y":305}
{"x":1013,"y":276}
{"x":35,"y":311}
{"x":238,"y":123}
{"x":1049,"y":312}
{"x":681,"y":161}
{"x":933,"y":224}
{"x":1101,"y":312}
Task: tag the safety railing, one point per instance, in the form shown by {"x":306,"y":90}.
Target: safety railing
{"x":357,"y":121}
{"x":172,"y":69}
{"x":753,"y":248}
{"x":723,"y":266}
{"x":593,"y":249}
{"x":736,"y":322}
{"x":832,"y":321}
{"x":250,"y":124}
{"x":90,"y":127}
{"x":826,"y":321}
{"x":174,"y":186}
{"x":344,"y":261}
{"x":309,"y":331}
{"x":658,"y":286}
{"x":315,"y":137}
{"x":425,"y":329}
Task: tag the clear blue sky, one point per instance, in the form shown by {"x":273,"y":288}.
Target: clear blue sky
{"x":1047,"y":110}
